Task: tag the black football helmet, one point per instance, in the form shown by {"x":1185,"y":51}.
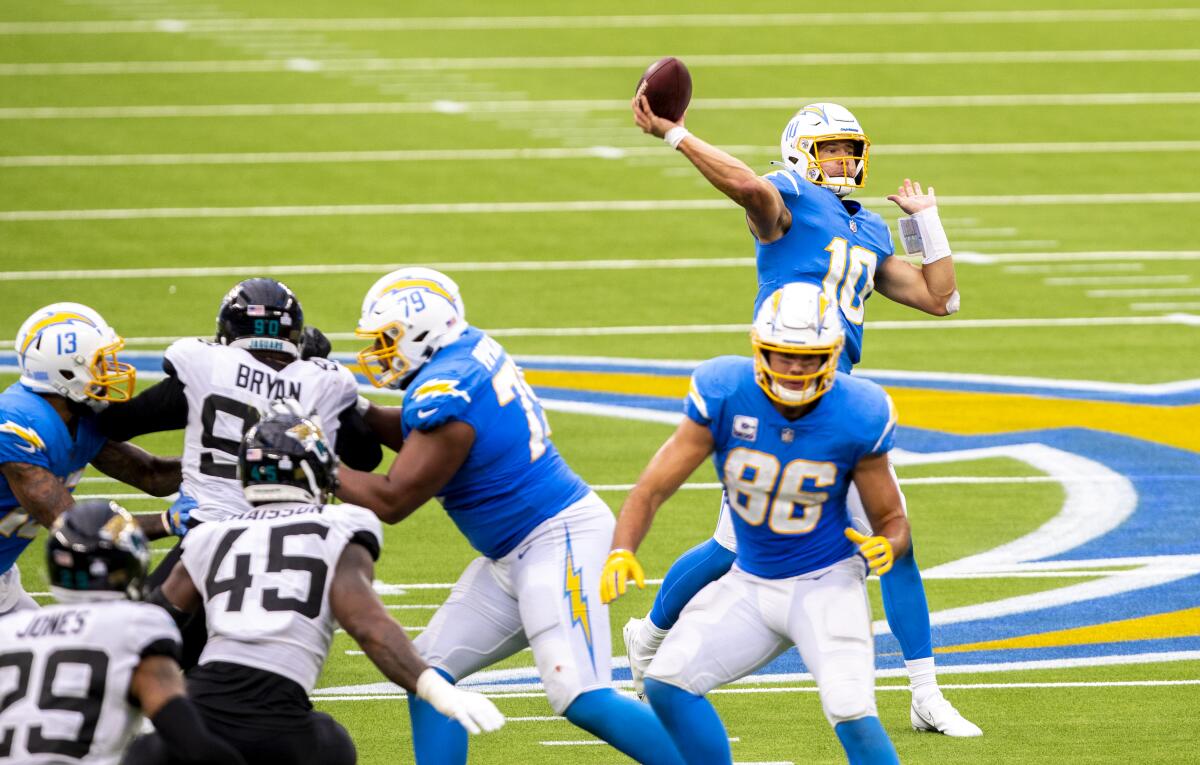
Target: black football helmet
{"x":261,"y":315}
{"x":96,"y":551}
{"x":286,"y":457}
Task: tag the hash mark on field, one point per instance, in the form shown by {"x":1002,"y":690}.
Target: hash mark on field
{"x":1152,"y":292}
{"x":1080,"y":281}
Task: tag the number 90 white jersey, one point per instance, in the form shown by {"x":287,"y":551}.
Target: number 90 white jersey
{"x":265,"y":579}
{"x":227,"y":389}
{"x":64,"y":679}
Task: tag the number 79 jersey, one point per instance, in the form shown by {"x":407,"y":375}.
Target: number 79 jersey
{"x":786,"y":480}
{"x":65,"y":672}
{"x":833,"y":242}
{"x":513,"y":477}
{"x":265,"y":578}
{"x":227,"y":390}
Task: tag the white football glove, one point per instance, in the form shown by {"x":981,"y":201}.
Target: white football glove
{"x":472,"y":710}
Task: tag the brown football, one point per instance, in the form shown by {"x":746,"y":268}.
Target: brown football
{"x":667,"y":84}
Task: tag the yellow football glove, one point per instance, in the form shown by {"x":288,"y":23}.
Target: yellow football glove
{"x":620,"y":567}
{"x":877,"y":551}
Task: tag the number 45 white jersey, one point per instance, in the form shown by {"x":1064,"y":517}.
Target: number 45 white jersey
{"x":64,"y":679}
{"x":227,"y":389}
{"x":265,"y":579}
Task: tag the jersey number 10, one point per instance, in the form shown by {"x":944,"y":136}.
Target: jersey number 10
{"x":847,"y":266}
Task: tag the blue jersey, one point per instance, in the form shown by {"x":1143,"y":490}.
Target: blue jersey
{"x":513,"y":478}
{"x":786,"y":480}
{"x":31,"y":431}
{"x":832,"y":242}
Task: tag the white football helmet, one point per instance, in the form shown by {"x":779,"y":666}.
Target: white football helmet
{"x":69,"y":350}
{"x":818,"y":123}
{"x":798,"y":320}
{"x":408,"y":315}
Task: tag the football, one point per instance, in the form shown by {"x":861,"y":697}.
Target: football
{"x":667,"y":84}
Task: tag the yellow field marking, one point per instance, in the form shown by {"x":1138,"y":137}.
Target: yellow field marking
{"x":1178,"y":624}
{"x":960,"y":412}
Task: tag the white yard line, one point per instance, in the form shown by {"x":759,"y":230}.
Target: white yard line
{"x":1149,"y":292}
{"x":552,"y":153}
{"x":1082,"y":281}
{"x":545,"y":207}
{"x":543,"y":63}
{"x":633,"y":21}
{"x":1164,"y":306}
{"x":597,"y":264}
{"x":160,"y":111}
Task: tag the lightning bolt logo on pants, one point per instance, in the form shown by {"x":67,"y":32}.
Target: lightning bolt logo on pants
{"x":573,"y":592}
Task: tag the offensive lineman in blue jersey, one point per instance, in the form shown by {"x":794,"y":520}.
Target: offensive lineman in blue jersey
{"x":788,"y":434}
{"x":807,"y":230}
{"x":475,"y":436}
{"x":67,"y":355}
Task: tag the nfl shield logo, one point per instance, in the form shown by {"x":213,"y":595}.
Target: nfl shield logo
{"x":788,"y":435}
{"x":854,"y":226}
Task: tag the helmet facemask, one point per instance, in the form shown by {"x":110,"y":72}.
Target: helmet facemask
{"x":112,"y":379}
{"x":782,"y":387}
{"x":382,"y":361}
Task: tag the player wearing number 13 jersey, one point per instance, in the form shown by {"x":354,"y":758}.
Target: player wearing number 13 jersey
{"x":475,"y":437}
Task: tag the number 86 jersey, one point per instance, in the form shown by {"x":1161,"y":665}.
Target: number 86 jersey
{"x":227,"y":389}
{"x":265,"y":579}
{"x":786,"y":480}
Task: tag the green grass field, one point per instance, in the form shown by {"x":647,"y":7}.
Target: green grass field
{"x":153,"y":152}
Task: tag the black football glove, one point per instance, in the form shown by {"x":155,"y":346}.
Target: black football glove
{"x":314,"y":344}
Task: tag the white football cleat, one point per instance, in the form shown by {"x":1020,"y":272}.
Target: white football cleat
{"x":937,"y":715}
{"x":639,"y":656}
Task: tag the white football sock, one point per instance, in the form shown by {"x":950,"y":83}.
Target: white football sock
{"x":650,"y":636}
{"x":922,"y":679}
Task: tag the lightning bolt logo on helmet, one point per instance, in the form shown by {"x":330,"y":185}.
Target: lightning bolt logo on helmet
{"x":407,"y":315}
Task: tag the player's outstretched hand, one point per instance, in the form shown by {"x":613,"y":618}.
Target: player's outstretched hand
{"x":911,"y":199}
{"x":650,"y":122}
{"x":877,"y":550}
{"x":620,"y":567}
{"x":474,"y":711}
{"x":175,"y":518}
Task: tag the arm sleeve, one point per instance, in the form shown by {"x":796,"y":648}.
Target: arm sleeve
{"x":361,"y":527}
{"x":706,"y":396}
{"x":163,"y":406}
{"x":188,"y":739}
{"x":884,"y":429}
{"x":357,"y":445}
{"x":153,"y":632}
{"x":786,"y":182}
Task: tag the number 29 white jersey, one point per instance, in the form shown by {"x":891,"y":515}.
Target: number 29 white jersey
{"x":64,"y":679}
{"x":227,"y":390}
{"x":265,"y":578}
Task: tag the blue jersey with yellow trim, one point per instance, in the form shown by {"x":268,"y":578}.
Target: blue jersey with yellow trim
{"x":786,"y":480}
{"x":513,"y":478}
{"x":833,"y":242}
{"x":31,"y":431}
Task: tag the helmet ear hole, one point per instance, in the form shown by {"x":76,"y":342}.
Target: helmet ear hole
{"x":67,"y":374}
{"x":421,"y":337}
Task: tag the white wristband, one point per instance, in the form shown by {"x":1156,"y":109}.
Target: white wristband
{"x":922,"y":234}
{"x":675,"y":136}
{"x":953,"y":304}
{"x":432,"y":687}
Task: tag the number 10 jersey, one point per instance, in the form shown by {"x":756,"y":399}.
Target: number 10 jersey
{"x":227,"y":391}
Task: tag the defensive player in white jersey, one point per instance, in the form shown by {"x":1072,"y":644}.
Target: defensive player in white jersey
{"x":806,"y":228}
{"x":70,"y":370}
{"x":77,"y":677}
{"x":216,"y":390}
{"x":788,"y":434}
{"x":475,"y":436}
{"x":272,"y":582}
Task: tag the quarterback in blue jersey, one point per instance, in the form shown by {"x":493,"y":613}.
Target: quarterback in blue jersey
{"x":788,"y":435}
{"x":806,"y":229}
{"x":475,"y":437}
{"x":67,"y":355}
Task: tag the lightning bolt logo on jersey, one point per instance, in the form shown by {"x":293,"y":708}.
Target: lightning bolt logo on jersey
{"x":832,"y":242}
{"x":32,"y":432}
{"x":787,"y":480}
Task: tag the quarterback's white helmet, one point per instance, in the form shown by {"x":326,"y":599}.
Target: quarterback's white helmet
{"x":408,"y":315}
{"x":797,"y":320}
{"x":818,"y":123}
{"x":69,"y":350}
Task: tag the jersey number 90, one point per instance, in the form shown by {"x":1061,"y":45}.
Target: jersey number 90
{"x":758,"y":492}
